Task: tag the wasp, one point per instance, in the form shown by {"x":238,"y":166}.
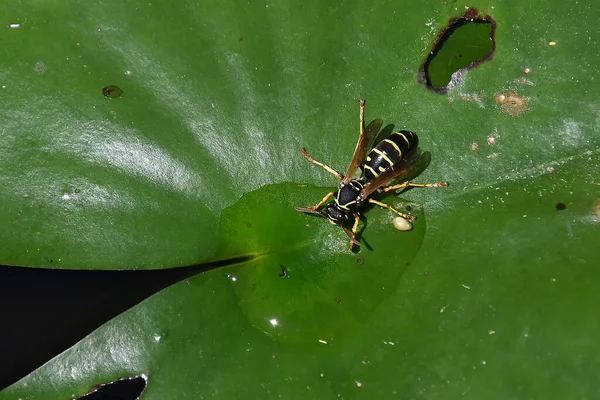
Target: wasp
{"x":385,"y":162}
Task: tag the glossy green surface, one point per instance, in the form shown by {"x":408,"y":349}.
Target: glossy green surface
{"x":304,"y":284}
{"x":500,"y":301}
{"x":469,"y":43}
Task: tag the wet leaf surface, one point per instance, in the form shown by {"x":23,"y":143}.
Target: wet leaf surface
{"x":305,"y":284}
{"x":499,"y":301}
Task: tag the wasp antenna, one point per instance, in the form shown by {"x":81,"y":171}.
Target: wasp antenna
{"x":311,"y":211}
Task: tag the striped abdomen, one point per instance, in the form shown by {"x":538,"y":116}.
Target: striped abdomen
{"x":388,"y":152}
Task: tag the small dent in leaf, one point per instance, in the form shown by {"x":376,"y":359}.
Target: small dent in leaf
{"x":159,"y":336}
{"x":112,"y":92}
{"x":283,"y":273}
{"x":464,"y":43}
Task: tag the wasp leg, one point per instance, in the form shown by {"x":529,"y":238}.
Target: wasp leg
{"x":362,"y":116}
{"x":421,"y":185}
{"x":354,"y":229}
{"x":326,"y":167}
{"x":351,"y":236}
{"x":380,"y":204}
{"x":316,"y":206}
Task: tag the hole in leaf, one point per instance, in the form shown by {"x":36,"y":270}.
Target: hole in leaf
{"x":464,"y":43}
{"x":561,"y":206}
{"x":130,"y":388}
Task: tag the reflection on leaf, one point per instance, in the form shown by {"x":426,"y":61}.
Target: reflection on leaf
{"x":328,"y":290}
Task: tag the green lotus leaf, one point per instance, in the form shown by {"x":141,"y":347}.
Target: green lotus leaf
{"x":499,"y":298}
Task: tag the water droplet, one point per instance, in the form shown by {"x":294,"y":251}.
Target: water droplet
{"x":402,"y":224}
{"x":40,"y":67}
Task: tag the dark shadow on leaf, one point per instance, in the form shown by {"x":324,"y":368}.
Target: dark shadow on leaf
{"x":363,"y":242}
{"x":46,"y":311}
{"x":130,"y":388}
{"x":415,"y":170}
{"x":384,"y":133}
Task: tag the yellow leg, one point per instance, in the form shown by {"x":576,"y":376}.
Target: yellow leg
{"x":380,"y":204}
{"x":362,"y":116}
{"x":421,"y":185}
{"x":326,"y":167}
{"x":319,"y":204}
{"x":354,"y":229}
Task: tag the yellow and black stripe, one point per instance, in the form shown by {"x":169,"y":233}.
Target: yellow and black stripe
{"x":388,"y":152}
{"x":347,"y":196}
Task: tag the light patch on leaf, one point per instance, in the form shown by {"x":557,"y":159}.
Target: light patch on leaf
{"x":571,"y":133}
{"x":193,"y":110}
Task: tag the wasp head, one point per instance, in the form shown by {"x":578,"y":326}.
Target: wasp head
{"x":335,"y":214}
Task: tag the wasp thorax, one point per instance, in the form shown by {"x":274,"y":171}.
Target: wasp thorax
{"x":348,"y":194}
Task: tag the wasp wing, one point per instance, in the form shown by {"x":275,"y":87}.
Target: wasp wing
{"x":365,"y":142}
{"x":390,"y":174}
{"x":415,"y":169}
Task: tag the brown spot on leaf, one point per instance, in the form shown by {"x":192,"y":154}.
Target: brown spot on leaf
{"x":513,"y":104}
{"x":112,"y":92}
